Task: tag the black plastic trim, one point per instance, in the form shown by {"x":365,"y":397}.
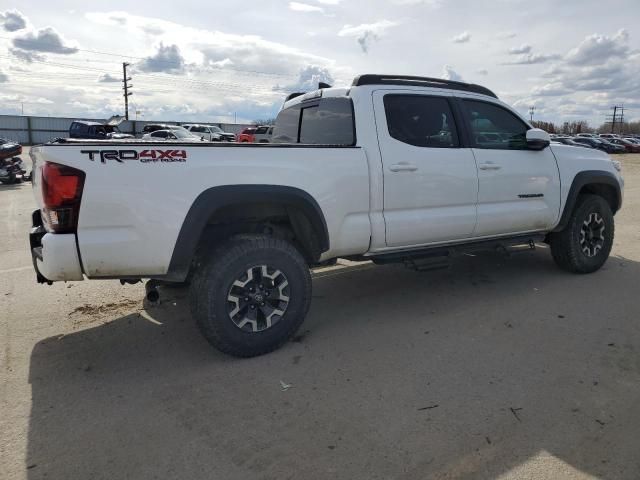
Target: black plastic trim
{"x":457,"y":248}
{"x":372,"y":79}
{"x":212,"y":199}
{"x":582,"y":179}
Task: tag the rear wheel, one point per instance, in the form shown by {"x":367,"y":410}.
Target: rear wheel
{"x":585,"y":243}
{"x":252,"y":295}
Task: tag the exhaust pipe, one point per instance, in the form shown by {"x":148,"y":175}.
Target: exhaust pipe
{"x":152,"y":293}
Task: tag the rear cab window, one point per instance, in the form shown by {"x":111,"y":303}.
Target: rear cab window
{"x":329,"y":121}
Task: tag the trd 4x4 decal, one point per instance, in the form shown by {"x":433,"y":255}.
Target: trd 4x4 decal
{"x":145,"y":156}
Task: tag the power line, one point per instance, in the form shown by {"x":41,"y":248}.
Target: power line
{"x":236,"y":86}
{"x":167,"y":62}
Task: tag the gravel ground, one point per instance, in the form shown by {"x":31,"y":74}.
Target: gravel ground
{"x":498,"y":368}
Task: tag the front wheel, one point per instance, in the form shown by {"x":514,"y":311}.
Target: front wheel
{"x":252,"y":295}
{"x":585,"y":243}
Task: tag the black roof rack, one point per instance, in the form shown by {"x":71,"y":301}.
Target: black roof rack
{"x":371,"y":79}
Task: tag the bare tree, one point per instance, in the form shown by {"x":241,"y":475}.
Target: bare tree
{"x":266,"y":121}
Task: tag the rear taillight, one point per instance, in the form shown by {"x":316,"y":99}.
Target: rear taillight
{"x":61,"y":193}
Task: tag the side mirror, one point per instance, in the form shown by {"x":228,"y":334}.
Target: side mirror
{"x":538,"y":139}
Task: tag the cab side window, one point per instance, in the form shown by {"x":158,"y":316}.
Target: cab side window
{"x":494,"y":127}
{"x":421,"y":121}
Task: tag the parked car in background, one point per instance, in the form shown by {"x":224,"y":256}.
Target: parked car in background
{"x":630,"y":147}
{"x":633,"y":140}
{"x":9,"y":148}
{"x":615,"y":147}
{"x":599,"y":143}
{"x":259,"y":134}
{"x":96,"y":131}
{"x":210,"y":132}
{"x":152,"y":127}
{"x":587,"y":135}
{"x":174,"y":134}
{"x":263,"y":134}
{"x":607,"y":136}
{"x":247,"y":135}
{"x":571,"y":141}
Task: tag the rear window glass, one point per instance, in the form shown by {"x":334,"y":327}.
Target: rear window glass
{"x":286,"y":127}
{"x":329,"y":122}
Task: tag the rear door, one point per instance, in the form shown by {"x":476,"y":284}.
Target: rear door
{"x":519,"y":189}
{"x":430,"y":180}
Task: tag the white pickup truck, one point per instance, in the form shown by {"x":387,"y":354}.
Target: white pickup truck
{"x":392,"y":168}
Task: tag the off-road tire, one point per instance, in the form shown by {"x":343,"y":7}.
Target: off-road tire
{"x":214,"y":277}
{"x":566,"y":248}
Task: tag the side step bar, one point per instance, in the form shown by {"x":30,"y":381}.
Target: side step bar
{"x":436,"y":258}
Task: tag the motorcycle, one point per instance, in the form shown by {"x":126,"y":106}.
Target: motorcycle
{"x":12,"y":171}
{"x":12,"y":168}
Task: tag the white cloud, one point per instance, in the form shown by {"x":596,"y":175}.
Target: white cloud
{"x":448,"y":73}
{"x":429,"y":3}
{"x":108,"y":78}
{"x":46,"y":40}
{"x":13,"y":20}
{"x":598,"y":48}
{"x":550,"y":89}
{"x":464,"y":37}
{"x":367,"y":32}
{"x":522,"y":49}
{"x":506,"y":35}
{"x":166,"y":59}
{"x":482,"y":71}
{"x":304,"y":7}
{"x":308,"y":79}
{"x":3,"y":77}
{"x":26,"y":56}
{"x":213,"y":48}
{"x":533,"y":58}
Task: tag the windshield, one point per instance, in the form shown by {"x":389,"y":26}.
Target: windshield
{"x":182,"y":134}
{"x":216,"y":130}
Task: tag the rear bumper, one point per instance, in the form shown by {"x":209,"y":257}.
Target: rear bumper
{"x":55,"y":256}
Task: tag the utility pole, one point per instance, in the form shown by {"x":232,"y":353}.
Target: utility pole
{"x":613,"y":121}
{"x":621,"y":119}
{"x":532,"y":109}
{"x":126,"y":88}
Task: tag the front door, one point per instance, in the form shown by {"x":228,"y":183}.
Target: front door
{"x":519,"y":189}
{"x":430,"y":182}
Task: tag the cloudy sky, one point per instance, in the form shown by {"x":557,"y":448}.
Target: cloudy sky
{"x":572,"y":60}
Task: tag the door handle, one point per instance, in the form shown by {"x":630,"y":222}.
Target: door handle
{"x":489,"y":166}
{"x":403,"y":167}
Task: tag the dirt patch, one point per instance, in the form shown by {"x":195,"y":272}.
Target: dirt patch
{"x":88,"y":313}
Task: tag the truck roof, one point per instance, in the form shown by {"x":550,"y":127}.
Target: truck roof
{"x":394,"y":80}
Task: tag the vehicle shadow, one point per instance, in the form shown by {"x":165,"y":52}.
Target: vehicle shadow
{"x":12,"y":186}
{"x":471,"y":372}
